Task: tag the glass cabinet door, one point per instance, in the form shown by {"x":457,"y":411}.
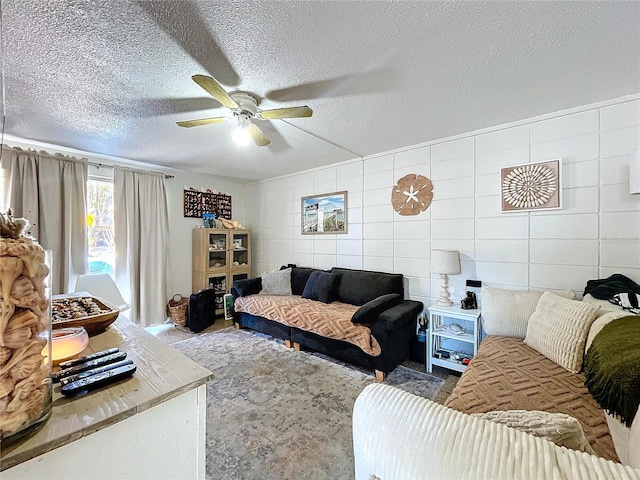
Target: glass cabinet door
{"x":217,"y":246}
{"x":240,"y":250}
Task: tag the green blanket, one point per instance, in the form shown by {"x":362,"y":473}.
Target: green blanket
{"x":612,"y":368}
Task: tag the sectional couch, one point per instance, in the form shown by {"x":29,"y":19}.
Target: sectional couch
{"x":513,"y":372}
{"x":363,"y":318}
{"x":397,"y":435}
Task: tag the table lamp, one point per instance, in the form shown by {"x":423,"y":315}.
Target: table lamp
{"x":445,"y":262}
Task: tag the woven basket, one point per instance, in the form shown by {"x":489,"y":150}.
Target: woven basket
{"x":178,"y":310}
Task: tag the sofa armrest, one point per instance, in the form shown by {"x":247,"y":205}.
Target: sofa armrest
{"x":395,"y":317}
{"x":400,"y":435}
{"x":370,"y":311}
{"x":246,"y":287}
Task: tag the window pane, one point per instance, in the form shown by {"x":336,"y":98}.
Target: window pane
{"x":100,"y":226}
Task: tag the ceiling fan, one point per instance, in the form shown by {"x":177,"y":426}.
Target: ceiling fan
{"x":245,"y":109}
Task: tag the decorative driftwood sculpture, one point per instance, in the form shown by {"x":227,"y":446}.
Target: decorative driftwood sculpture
{"x":25,"y":388}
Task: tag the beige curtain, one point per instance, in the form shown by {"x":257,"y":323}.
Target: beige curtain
{"x":141,"y":227}
{"x":51,"y":191}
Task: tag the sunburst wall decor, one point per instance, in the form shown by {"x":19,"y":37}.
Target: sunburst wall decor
{"x":532,"y":186}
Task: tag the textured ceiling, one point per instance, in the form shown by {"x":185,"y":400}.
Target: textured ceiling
{"x":113,"y":77}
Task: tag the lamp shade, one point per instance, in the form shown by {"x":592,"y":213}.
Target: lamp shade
{"x":634,"y":175}
{"x":445,"y":261}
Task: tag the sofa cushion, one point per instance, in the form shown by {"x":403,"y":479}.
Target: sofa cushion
{"x":249,"y":286}
{"x":299,"y":278}
{"x":369,"y":312}
{"x":558,"y":329}
{"x":506,"y":374}
{"x":320,"y":286}
{"x":277,"y":283}
{"x":358,"y":287}
{"x":330,"y":320}
{"x":507,"y":312}
{"x":559,"y":428}
{"x":605,"y":305}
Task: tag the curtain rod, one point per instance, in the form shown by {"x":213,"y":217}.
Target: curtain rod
{"x":104,"y":165}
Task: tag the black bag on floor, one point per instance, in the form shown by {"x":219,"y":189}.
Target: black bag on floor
{"x":202,"y":309}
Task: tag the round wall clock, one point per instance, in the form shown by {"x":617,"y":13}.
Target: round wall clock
{"x":412,"y":194}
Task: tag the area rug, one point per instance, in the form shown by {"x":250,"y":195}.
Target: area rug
{"x":274,"y":413}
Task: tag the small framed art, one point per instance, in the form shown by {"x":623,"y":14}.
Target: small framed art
{"x":531,"y":186}
{"x":324,"y":214}
{"x":228,"y":306}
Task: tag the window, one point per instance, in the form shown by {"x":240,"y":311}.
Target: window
{"x":102,"y":253}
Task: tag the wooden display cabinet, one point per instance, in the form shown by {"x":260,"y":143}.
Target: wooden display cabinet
{"x":219,"y":257}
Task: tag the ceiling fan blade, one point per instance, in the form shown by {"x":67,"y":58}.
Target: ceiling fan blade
{"x":196,"y":40}
{"x":257,"y":136}
{"x":289,"y":112}
{"x":215,"y":90}
{"x":373,"y":81}
{"x":202,"y":121}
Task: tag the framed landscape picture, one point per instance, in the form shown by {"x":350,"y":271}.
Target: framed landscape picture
{"x":324,"y":214}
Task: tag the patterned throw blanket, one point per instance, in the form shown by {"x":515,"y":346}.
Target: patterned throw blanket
{"x":612,"y":368}
{"x":331,"y":320}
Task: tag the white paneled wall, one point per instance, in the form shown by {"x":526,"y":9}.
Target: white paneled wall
{"x":595,"y":234}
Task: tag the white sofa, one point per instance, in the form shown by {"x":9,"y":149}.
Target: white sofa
{"x":506,"y":313}
{"x":397,"y":435}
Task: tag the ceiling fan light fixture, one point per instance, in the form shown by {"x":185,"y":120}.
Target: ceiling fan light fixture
{"x":244,"y":106}
{"x":241,"y":136}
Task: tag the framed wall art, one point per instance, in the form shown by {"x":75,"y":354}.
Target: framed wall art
{"x":412,"y":194}
{"x":197,"y":202}
{"x":324,"y":214}
{"x":531,"y":186}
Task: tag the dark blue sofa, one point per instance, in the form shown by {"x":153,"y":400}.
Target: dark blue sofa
{"x":393,"y":328}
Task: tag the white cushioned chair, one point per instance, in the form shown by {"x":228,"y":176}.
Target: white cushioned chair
{"x":103,"y":286}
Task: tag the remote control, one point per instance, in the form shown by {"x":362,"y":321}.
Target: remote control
{"x":99,"y":380}
{"x":98,"y":362}
{"x":93,"y":371}
{"x":87,"y":358}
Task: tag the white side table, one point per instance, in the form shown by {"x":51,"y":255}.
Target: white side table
{"x":469,"y":320}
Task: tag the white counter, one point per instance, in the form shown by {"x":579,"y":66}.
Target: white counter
{"x":149,"y":426}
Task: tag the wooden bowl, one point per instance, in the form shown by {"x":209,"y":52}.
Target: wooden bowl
{"x":93,"y":324}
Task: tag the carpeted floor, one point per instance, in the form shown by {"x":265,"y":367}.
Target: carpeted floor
{"x":274,"y":413}
{"x":169,"y":334}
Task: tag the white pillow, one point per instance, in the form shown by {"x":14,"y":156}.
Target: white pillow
{"x":558,"y":329}
{"x":559,"y":428}
{"x":507,"y":312}
{"x":605,"y":305}
{"x":277,"y":283}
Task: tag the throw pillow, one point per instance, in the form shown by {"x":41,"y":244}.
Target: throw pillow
{"x":277,"y":283}
{"x":507,"y":312}
{"x":605,"y":305}
{"x":370,"y":311}
{"x":320,"y":286}
{"x":299,"y":278}
{"x":558,"y":329}
{"x":561,"y":429}
{"x":247,"y":287}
